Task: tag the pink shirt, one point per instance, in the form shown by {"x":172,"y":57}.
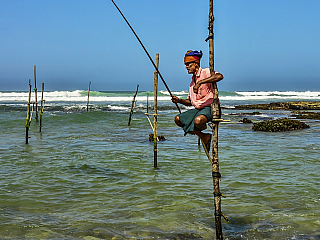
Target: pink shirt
{"x":204,"y":97}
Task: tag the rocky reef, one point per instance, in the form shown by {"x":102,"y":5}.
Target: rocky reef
{"x":306,"y":115}
{"x":279,"y":125}
{"x":301,"y":105}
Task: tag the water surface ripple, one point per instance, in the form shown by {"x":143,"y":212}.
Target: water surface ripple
{"x":90,"y":176}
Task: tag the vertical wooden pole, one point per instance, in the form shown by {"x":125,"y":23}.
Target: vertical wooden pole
{"x":155,"y":120}
{"x":35,"y":91}
{"x":216,"y":114}
{"x":28,"y":115}
{"x":88,"y":96}
{"x":147,"y":102}
{"x":41,"y":107}
{"x":132,"y":105}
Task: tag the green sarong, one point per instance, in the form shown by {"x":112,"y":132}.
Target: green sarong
{"x":187,"y":118}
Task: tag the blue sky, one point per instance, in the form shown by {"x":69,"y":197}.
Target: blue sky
{"x":260,"y":45}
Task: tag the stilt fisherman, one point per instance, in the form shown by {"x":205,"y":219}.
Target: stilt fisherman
{"x":200,"y":96}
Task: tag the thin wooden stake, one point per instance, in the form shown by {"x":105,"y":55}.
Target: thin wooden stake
{"x":147,"y":102}
{"x":41,"y":107}
{"x":132,"y":105}
{"x":35,"y":92}
{"x":147,"y":115}
{"x":88,"y":96}
{"x":155,"y":118}
{"x":216,"y":114}
{"x":28,"y":115}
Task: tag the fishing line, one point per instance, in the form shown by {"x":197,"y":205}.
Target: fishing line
{"x":146,"y":53}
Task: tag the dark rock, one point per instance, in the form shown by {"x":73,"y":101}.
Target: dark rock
{"x":246,"y":120}
{"x":160,"y":138}
{"x":279,"y":125}
{"x":306,"y":115}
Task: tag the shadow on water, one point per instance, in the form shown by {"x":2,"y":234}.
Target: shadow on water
{"x":248,"y":228}
{"x":152,"y":233}
{"x":86,"y":169}
{"x":240,"y":228}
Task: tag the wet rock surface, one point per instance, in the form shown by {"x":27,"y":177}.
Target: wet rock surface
{"x":279,"y":125}
{"x":306,"y":115}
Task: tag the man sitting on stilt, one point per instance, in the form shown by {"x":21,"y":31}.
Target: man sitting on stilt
{"x":200,"y":96}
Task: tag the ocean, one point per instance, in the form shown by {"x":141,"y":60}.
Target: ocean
{"x":88,"y":175}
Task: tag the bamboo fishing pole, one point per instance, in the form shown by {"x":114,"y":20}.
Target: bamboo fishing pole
{"x":216,"y":115}
{"x":165,"y":84}
{"x":28,"y":115}
{"x":132,"y":105}
{"x":41,"y":107}
{"x":35,"y":92}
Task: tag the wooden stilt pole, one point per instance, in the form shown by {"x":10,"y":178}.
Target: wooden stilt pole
{"x":41,"y":107}
{"x":35,"y":92}
{"x":88,"y":96}
{"x":147,"y":102}
{"x":132,"y":105}
{"x":28,"y":115}
{"x":215,"y":124}
{"x":155,"y":119}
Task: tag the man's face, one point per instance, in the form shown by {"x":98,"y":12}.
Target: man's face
{"x":191,"y":67}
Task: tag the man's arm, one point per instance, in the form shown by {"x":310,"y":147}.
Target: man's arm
{"x":212,"y":79}
{"x":185,"y":102}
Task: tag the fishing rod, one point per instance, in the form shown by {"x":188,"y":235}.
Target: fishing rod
{"x":146,"y":53}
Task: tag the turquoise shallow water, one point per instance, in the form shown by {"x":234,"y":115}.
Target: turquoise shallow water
{"x":88,"y":175}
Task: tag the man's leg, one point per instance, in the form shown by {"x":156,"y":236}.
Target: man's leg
{"x":177,"y":121}
{"x":200,"y":123}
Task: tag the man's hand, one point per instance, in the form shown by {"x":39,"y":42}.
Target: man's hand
{"x":185,"y":102}
{"x":196,"y":87}
{"x":212,"y":79}
{"x":175,"y":99}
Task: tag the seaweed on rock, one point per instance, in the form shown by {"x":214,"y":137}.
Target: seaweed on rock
{"x":279,"y":125}
{"x":306,"y":115}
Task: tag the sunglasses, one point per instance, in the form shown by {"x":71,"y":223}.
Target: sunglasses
{"x":188,"y":63}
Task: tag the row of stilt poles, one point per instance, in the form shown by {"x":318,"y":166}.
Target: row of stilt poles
{"x":34,"y":106}
{"x":30,"y":108}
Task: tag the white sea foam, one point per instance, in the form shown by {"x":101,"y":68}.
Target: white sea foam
{"x":118,"y":108}
{"x":81,"y":96}
{"x":288,"y":95}
{"x":174,"y":93}
{"x":72,"y":96}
